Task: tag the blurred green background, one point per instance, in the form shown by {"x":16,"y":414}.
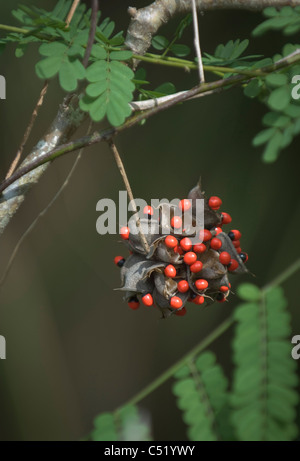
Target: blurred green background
{"x":74,"y":349}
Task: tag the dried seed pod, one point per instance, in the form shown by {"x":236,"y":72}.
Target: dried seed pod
{"x":174,"y":271}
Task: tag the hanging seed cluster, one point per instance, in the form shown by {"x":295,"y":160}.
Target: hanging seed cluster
{"x":176,"y":271}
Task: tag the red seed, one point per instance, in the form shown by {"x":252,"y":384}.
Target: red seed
{"x":148,"y":210}
{"x":238,"y":250}
{"x":124,"y":232}
{"x":186,"y":244}
{"x":183,"y":286}
{"x":236,"y":243}
{"x":199,"y":248}
{"x":215,"y":243}
{"x":171,"y":242}
{"x":244,"y":257}
{"x":214,"y":202}
{"x":205,"y":235}
{"x":147,"y":299}
{"x":218,"y":230}
{"x":170,"y":271}
{"x":220,"y":298}
{"x":224,"y":289}
{"x":233,"y":265}
{"x":226,"y":218}
{"x":119,"y":261}
{"x":133,"y":303}
{"x":224,"y":258}
{"x":190,"y":257}
{"x":199,"y":299}
{"x":201,"y":284}
{"x":196,"y":267}
{"x":176,"y":222}
{"x":185,"y":204}
{"x":181,"y":312}
{"x":234,"y":234}
{"x":175,"y":302}
{"x":178,"y":250}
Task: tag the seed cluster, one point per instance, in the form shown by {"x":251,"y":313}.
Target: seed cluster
{"x":176,"y":270}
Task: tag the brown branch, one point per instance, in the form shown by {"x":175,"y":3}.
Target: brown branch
{"x":146,"y":21}
{"x":92,"y":32}
{"x":72,"y":11}
{"x":28,"y":130}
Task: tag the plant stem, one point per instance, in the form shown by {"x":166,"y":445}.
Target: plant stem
{"x":122,"y":170}
{"x":287,"y":273}
{"x":185,"y":64}
{"x":18,"y":30}
{"x":197,"y":42}
{"x":224,"y":326}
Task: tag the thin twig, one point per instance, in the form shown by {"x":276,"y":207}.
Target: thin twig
{"x":197,"y":42}
{"x":155,"y":102}
{"x":219,"y":330}
{"x":40,"y":215}
{"x":72,"y":11}
{"x":129,"y":191}
{"x":28,"y":130}
{"x":92,"y":32}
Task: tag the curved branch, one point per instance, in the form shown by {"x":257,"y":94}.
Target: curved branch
{"x":146,"y":21}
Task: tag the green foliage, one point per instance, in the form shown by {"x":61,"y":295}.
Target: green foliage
{"x":201,"y":392}
{"x":230,"y":55}
{"x":63,"y":60}
{"x":161,"y":43}
{"x":109,"y":91}
{"x":287,"y":19}
{"x":282,"y":122}
{"x":127,"y":424}
{"x":263,"y":395}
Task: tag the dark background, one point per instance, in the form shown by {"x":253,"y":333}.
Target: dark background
{"x":74,"y":349}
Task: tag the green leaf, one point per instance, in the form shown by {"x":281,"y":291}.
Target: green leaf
{"x":263,"y":136}
{"x":253,"y":88}
{"x":272,"y":149}
{"x":53,"y":49}
{"x":67,"y":77}
{"x":121,"y":55}
{"x":201,"y":391}
{"x":263,"y":398}
{"x":276,"y":80}
{"x":98,"y":52}
{"x":109,"y":92}
{"x":280,"y":98}
{"x":276,"y":119}
{"x":249,"y":292}
{"x":166,"y":88}
{"x":180,"y":50}
{"x":48,"y":67}
{"x":159,"y":42}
